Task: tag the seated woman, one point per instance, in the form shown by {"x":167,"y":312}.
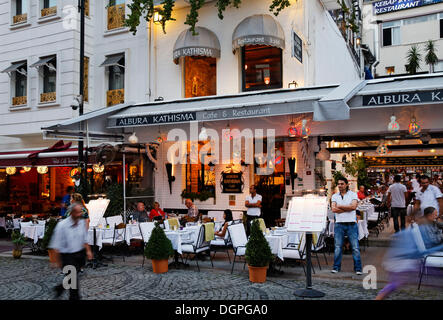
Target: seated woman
{"x":157,"y":213}
{"x":227,"y":215}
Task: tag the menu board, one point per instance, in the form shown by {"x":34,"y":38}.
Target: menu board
{"x":307,"y":214}
{"x":232,"y":182}
{"x":97,"y":209}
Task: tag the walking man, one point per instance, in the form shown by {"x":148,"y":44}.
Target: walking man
{"x":70,"y":244}
{"x":344,"y":204}
{"x":397,"y":194}
{"x":253,"y":203}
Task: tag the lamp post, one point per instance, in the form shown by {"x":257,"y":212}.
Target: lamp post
{"x":81,"y":161}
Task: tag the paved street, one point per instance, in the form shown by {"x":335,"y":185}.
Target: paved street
{"x":33,"y":279}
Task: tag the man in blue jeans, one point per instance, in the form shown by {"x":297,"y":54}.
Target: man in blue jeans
{"x":344,"y":204}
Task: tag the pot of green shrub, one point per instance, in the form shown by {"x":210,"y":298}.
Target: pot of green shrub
{"x":258,"y":254}
{"x":49,"y":230}
{"x":159,"y":249}
{"x":18,"y":241}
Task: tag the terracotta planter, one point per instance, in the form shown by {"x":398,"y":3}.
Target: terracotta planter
{"x":16,"y":253}
{"x":51,"y":256}
{"x":257,"y":274}
{"x":160,"y":266}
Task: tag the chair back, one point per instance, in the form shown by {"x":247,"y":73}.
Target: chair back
{"x":302,"y":245}
{"x":418,"y":238}
{"x":237,"y":234}
{"x":119,"y":232}
{"x":114,"y":220}
{"x":201,"y":242}
{"x":209,"y":231}
{"x":237,"y":215}
{"x":146,"y":230}
{"x":218,"y":215}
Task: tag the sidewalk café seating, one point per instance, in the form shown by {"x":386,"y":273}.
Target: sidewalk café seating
{"x":296,"y":252}
{"x":114,"y":220}
{"x":200,"y":245}
{"x":218,"y":215}
{"x":224,"y":243}
{"x":237,"y":233}
{"x":318,"y":245}
{"x":171,"y":223}
{"x":117,"y":241}
{"x":146,"y":230}
{"x":237,"y":215}
{"x":429,"y":260}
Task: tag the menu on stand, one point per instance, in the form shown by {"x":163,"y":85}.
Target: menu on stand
{"x":307,"y":214}
{"x":97,"y":209}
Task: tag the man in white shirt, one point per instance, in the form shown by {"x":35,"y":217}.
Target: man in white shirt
{"x":397,"y":194}
{"x":428,"y":196}
{"x":253,"y":203}
{"x":344,"y":204}
{"x":415,"y":184}
{"x":70,"y":245}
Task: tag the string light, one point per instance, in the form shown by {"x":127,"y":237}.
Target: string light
{"x":11,"y":170}
{"x":42,"y":169}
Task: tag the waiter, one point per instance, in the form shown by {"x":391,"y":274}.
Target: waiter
{"x":70,"y":244}
{"x":253,"y":203}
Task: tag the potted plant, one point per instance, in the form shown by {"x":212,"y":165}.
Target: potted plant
{"x":19,"y":241}
{"x":159,"y":249}
{"x":49,"y":230}
{"x":258,"y":254}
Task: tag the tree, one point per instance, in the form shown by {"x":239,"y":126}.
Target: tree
{"x":431,"y":55}
{"x":413,"y":57}
{"x":145,"y":9}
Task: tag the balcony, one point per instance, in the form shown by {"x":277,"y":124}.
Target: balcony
{"x":116,"y":16}
{"x":114,"y":97}
{"x":46,"y":12}
{"x":20,"y":18}
{"x":48,"y":97}
{"x":19,"y":101}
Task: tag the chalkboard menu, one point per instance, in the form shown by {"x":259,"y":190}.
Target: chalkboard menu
{"x":297,"y":47}
{"x":232,"y":182}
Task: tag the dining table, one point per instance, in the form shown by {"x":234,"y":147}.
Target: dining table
{"x":33,"y":231}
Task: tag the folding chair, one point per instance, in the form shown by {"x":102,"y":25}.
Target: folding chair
{"x":318,"y":246}
{"x":224,"y":243}
{"x":118,"y":238}
{"x":146,"y":230}
{"x":297,"y":252}
{"x":237,"y":233}
{"x":433,"y":260}
{"x":198,"y":246}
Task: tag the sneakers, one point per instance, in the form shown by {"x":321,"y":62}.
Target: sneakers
{"x":358,"y":273}
{"x":334,"y":271}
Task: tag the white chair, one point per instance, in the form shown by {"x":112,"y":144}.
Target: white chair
{"x":237,"y":233}
{"x":222,"y":243}
{"x":297,"y":252}
{"x":146,"y":230}
{"x":237,"y":215}
{"x":198,"y":246}
{"x":218,"y":215}
{"x":118,"y":237}
{"x":114,"y":220}
{"x":433,"y":260}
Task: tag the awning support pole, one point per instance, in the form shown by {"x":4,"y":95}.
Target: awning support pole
{"x":124,"y":185}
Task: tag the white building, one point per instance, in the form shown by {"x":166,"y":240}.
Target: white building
{"x":390,"y":28}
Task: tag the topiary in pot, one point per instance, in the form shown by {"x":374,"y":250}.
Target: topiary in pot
{"x":159,"y":249}
{"x":49,"y":231}
{"x":19,"y":241}
{"x":258,"y":254}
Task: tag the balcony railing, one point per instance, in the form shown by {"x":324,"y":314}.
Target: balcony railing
{"x":20,"y":18}
{"x":18,"y":101}
{"x":116,"y":16}
{"x":49,"y":11}
{"x":114,"y":97}
{"x":48,"y":97}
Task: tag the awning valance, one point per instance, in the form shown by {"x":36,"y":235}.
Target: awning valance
{"x":258,"y":29}
{"x":42,"y":62}
{"x":14,"y":66}
{"x":205,"y":43}
{"x":113,"y":60}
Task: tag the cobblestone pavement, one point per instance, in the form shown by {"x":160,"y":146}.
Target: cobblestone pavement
{"x":34,"y":279}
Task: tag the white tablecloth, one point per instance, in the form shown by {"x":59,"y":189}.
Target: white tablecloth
{"x":277,"y":243}
{"x":99,"y":236}
{"x":33,"y":232}
{"x":187,"y":235}
{"x":132,"y":232}
{"x":362,"y":229}
{"x":17,"y":222}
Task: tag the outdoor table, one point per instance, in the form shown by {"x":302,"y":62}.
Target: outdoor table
{"x":34,"y":231}
{"x":362,"y":229}
{"x":99,"y":233}
{"x":277,"y":243}
{"x":16,"y":222}
{"x":178,"y":237}
{"x":132,"y":232}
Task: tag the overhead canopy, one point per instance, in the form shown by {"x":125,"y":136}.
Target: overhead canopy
{"x":205,"y":43}
{"x":258,"y":29}
{"x":113,"y":60}
{"x":14,"y":67}
{"x":42,"y":62}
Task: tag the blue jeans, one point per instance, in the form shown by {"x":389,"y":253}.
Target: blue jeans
{"x":340,"y":231}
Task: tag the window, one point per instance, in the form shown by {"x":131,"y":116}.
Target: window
{"x":85,"y":80}
{"x":49,"y":78}
{"x":87,"y":8}
{"x":21,"y":9}
{"x":19,"y":84}
{"x":49,"y":3}
{"x":390,"y":70}
{"x":199,"y":177}
{"x":200,"y":76}
{"x":391,"y":33}
{"x":116,"y":14}
{"x":441,"y":28}
{"x":419,"y":19}
{"x":117,"y":75}
{"x":115,"y":65}
{"x":261,"y":68}
{"x":49,"y":8}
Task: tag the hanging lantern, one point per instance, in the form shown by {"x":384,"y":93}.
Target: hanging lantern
{"x":323,"y":154}
{"x":382,"y":148}
{"x":278,"y":157}
{"x":98,"y":168}
{"x":267,"y":80}
{"x":305,"y":131}
{"x":414,"y":128}
{"x":393,"y":125}
{"x":133,"y":139}
{"x":203,"y":136}
{"x":292,"y":131}
{"x":11,"y":170}
{"x":27,"y":169}
{"x":42,"y":169}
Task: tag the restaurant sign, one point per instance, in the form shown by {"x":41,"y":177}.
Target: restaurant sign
{"x":232,"y":182}
{"x":155,"y":119}
{"x":386,"y":6}
{"x":402,"y":98}
{"x":259,"y":39}
{"x":196,"y":51}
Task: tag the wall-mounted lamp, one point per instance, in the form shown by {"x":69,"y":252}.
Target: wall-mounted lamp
{"x":292,"y":85}
{"x":157,"y":17}
{"x":292,"y":171}
{"x":358,"y":41}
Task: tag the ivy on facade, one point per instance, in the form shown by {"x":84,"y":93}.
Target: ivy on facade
{"x":145,"y":9}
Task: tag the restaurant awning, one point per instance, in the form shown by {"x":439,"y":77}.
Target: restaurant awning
{"x":14,"y":66}
{"x":258,"y":29}
{"x":113,"y":60}
{"x":205,"y":43}
{"x":42,"y":62}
